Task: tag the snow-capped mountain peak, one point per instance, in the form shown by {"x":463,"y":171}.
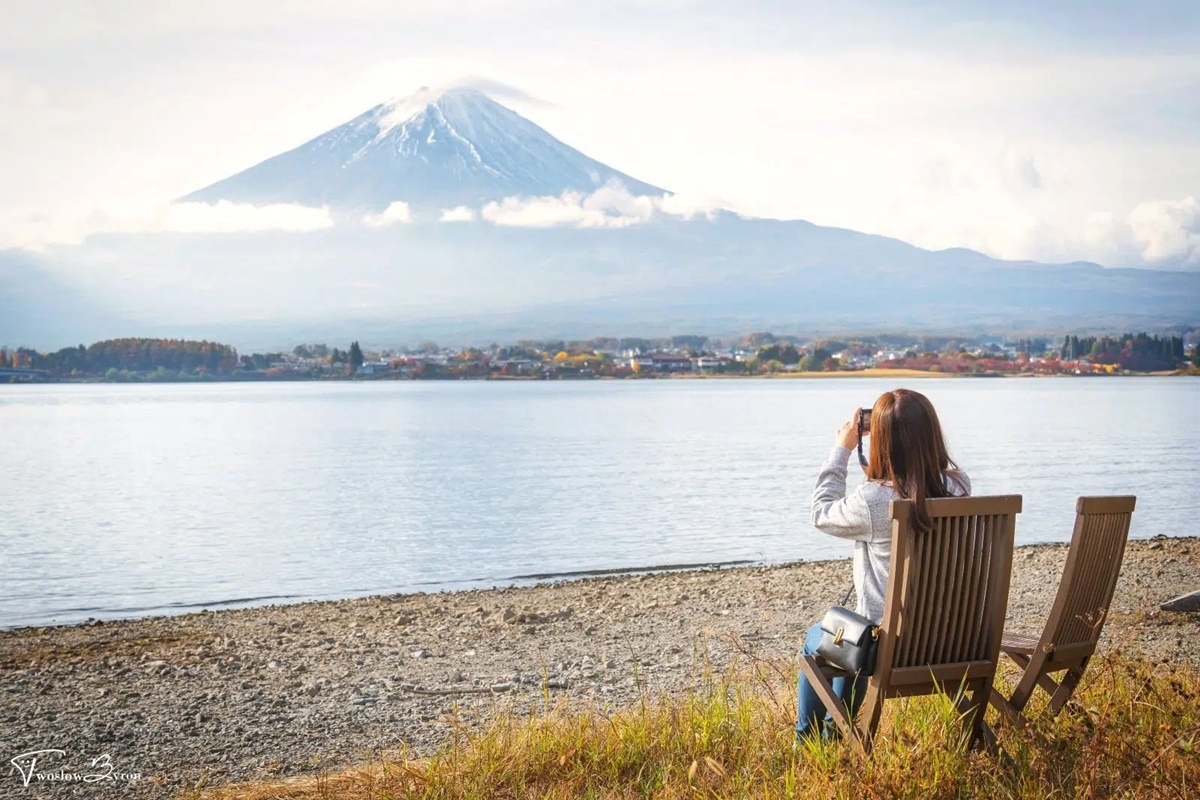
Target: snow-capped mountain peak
{"x":396,"y":112}
{"x":435,"y":148}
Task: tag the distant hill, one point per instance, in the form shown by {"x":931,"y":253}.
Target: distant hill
{"x":39,"y":310}
{"x":470,"y":282}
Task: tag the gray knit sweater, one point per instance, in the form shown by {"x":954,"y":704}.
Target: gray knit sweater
{"x":862,"y":516}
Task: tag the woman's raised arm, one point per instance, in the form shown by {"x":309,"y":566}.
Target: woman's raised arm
{"x":833,"y":512}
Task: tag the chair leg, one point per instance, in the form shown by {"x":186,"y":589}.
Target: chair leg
{"x":1048,"y":684}
{"x":818,"y":677}
{"x":869,"y":714}
{"x":1030,"y":678}
{"x":1066,"y":687}
{"x":972,"y":706}
{"x":1008,"y":714}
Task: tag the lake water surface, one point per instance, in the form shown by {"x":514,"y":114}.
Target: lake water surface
{"x":136,"y":500}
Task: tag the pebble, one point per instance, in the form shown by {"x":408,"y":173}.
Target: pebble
{"x":172,"y":692}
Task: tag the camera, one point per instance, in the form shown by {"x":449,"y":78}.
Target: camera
{"x":864,"y":427}
{"x":864,"y":421}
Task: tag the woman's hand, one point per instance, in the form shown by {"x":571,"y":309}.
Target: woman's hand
{"x":847,"y":435}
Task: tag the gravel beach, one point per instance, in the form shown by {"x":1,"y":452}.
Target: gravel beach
{"x":227,"y":696}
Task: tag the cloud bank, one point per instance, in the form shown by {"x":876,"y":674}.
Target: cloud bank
{"x":1158,"y":234}
{"x":611,"y":206}
{"x":35,"y":231}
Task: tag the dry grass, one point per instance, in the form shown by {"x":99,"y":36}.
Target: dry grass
{"x":1133,"y":732}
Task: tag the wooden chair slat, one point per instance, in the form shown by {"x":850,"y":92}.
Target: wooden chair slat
{"x":981,"y":506}
{"x":921,"y":619}
{"x":1114,"y":504}
{"x":1019,"y":643}
{"x":974,"y":630}
{"x":970,"y":539}
{"x":942,"y":673}
{"x":952,"y":593}
{"x":979,"y":534}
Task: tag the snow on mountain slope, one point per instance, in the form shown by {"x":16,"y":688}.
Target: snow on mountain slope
{"x":435,"y":149}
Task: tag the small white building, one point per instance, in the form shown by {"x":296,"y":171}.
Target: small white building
{"x":704,"y":363}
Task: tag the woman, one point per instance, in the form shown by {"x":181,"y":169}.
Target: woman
{"x":908,"y":461}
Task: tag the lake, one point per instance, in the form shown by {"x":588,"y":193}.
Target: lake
{"x":137,"y":500}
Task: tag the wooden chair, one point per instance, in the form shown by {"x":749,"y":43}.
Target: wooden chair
{"x":1079,"y":611}
{"x":943,"y":617}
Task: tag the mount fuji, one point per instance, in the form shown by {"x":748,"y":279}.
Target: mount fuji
{"x":434,"y":149}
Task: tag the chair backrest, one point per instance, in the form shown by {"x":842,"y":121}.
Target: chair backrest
{"x":947,"y":593}
{"x":1090,"y":575}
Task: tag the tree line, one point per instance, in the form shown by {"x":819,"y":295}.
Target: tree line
{"x":181,"y":358}
{"x":1139,"y":351}
{"x":164,"y":358}
{"x":134,"y":355}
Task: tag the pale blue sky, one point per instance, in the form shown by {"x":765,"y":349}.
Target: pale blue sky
{"x":1052,"y":130}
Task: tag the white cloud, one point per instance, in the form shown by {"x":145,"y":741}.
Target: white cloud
{"x":1161,"y":234}
{"x":543,"y":212}
{"x":457,"y":214}
{"x":35,"y":230}
{"x":611,"y":206}
{"x":397,"y":212}
{"x":1168,"y":230}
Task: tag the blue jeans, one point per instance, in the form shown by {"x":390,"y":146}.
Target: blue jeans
{"x":811,"y":715}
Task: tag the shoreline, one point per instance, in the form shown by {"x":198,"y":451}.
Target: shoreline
{"x":278,"y":690}
{"x":871,"y":372}
{"x":450,"y":587}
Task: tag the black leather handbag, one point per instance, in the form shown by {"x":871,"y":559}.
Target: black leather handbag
{"x":848,"y":641}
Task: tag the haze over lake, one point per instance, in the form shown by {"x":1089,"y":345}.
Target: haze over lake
{"x":137,"y":500}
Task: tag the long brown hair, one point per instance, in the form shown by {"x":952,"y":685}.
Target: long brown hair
{"x":908,"y":451}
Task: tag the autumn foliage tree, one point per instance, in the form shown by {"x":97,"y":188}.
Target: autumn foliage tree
{"x":142,"y":355}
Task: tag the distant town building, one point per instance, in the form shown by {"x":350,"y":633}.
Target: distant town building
{"x":662,"y":362}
